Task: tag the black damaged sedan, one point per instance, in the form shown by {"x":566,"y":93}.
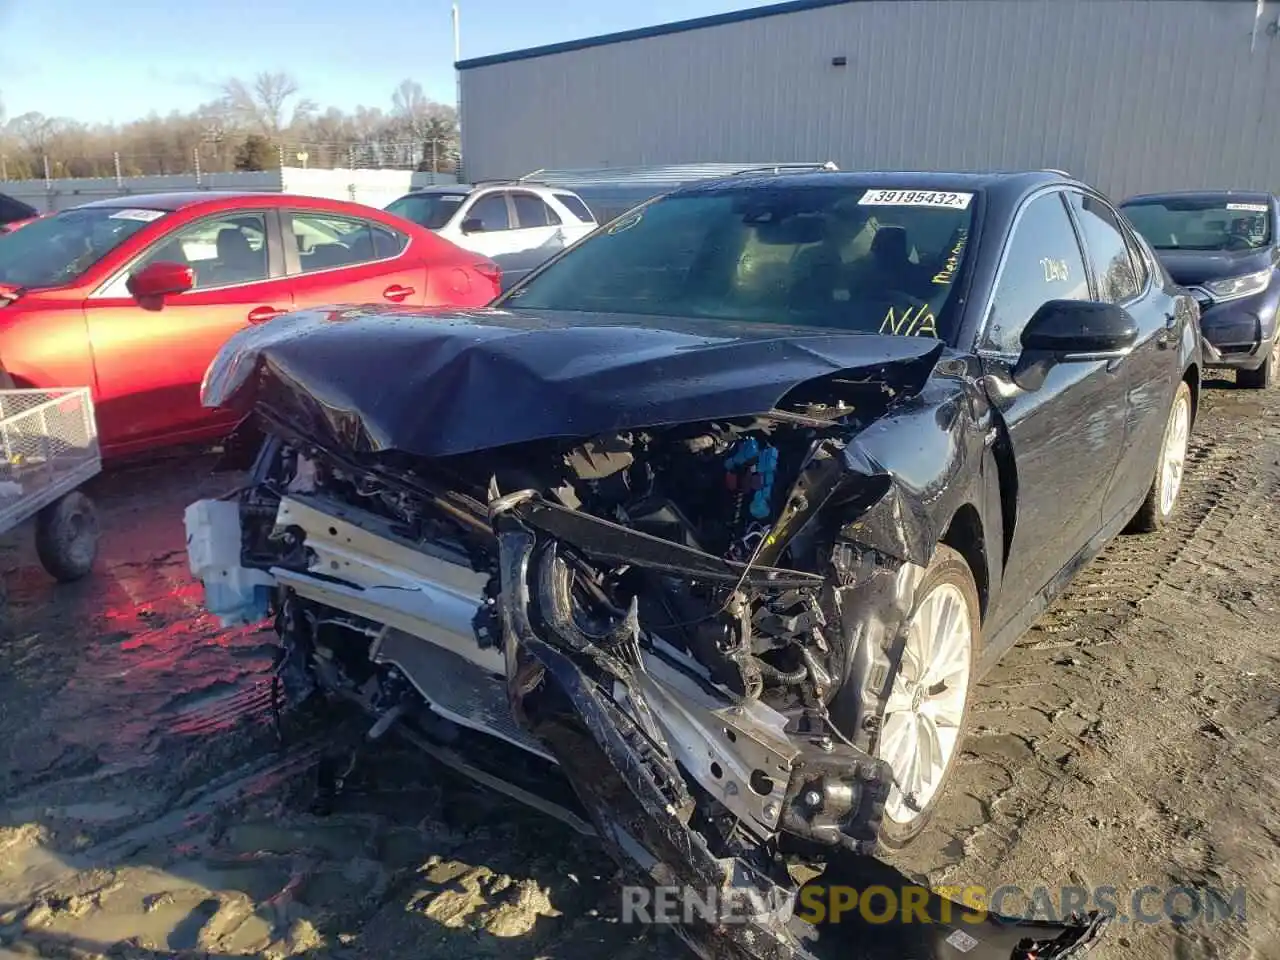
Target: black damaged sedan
{"x":1223,"y":246}
{"x":731,"y":503}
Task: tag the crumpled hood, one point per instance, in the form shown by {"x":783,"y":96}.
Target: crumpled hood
{"x":1189,"y":267}
{"x":441,"y":383}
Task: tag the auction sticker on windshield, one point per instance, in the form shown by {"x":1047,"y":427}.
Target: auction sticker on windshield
{"x":145,"y":216}
{"x":1251,"y":207}
{"x":915,"y":198}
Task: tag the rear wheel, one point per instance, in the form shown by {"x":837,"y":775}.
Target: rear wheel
{"x":924,"y":718}
{"x":1162,"y":498}
{"x":1265,"y":376}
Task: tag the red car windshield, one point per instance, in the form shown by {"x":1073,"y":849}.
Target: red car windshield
{"x":57,"y":250}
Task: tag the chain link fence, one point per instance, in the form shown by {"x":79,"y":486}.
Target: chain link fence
{"x":231,"y":155}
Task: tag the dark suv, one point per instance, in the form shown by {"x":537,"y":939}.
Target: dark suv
{"x":1222,"y":245}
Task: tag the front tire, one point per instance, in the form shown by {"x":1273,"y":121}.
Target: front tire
{"x":928,"y":707}
{"x":1162,"y":499}
{"x":1265,"y":376}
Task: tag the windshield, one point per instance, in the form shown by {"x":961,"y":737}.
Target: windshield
{"x":868,"y":261}
{"x":1212,"y":224}
{"x":56,"y":250}
{"x":430,"y":210}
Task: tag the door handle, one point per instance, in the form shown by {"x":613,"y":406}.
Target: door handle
{"x":263,"y":314}
{"x":396,"y":293}
{"x":1172,"y":328}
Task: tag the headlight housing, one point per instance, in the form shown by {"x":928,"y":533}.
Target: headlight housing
{"x":1233,"y":288}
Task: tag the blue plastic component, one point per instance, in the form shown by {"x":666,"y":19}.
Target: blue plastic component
{"x":767,"y":467}
{"x":747,"y":451}
{"x":235,"y":607}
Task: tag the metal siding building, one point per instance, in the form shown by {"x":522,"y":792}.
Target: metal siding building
{"x":1133,"y":95}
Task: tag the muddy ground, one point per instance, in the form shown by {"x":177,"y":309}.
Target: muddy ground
{"x":1130,"y":740}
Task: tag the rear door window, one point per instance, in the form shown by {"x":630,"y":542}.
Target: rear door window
{"x":531,"y":211}
{"x":1137,"y":254}
{"x":325,"y":242}
{"x":491,"y":211}
{"x":387,"y":242}
{"x":1108,"y":251}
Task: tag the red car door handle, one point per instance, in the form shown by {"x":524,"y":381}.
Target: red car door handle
{"x":263,"y":314}
{"x":396,"y":293}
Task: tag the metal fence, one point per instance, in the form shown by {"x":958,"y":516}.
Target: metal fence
{"x":433,"y":155}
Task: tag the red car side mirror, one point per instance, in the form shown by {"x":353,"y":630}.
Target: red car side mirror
{"x":161,"y":279}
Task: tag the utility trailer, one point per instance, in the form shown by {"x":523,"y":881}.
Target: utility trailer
{"x":48,"y":450}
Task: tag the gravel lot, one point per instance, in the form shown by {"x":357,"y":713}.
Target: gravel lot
{"x":1130,"y":740}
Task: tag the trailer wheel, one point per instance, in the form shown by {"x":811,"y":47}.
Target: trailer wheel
{"x":67,"y":537}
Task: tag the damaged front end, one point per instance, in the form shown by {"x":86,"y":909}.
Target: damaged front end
{"x":649,"y":625}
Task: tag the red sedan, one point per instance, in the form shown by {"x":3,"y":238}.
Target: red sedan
{"x":134,"y":295}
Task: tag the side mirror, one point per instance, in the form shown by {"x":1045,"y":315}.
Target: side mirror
{"x":473,"y":225}
{"x":161,"y":279}
{"x":1070,"y":331}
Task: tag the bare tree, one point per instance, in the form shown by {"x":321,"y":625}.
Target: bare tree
{"x":417,"y":132}
{"x":408,"y":102}
{"x":264,"y":102}
{"x":33,"y":130}
{"x":423,"y":119}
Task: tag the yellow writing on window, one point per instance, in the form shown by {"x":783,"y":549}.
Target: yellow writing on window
{"x":910,"y":322}
{"x":1054,"y":270}
{"x":952,"y":263}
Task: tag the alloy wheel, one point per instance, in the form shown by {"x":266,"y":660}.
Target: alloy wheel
{"x":921,"y":729}
{"x":1174,"y":456}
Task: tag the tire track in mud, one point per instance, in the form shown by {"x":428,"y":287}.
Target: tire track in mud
{"x":1046,"y":706}
{"x":202,"y":839}
{"x":434,"y":873}
{"x":417,"y":865}
{"x":221,"y":712}
{"x":1221,"y":479}
{"x":165,"y":856}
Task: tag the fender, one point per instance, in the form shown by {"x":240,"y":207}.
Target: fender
{"x":44,"y":342}
{"x":881,"y":555}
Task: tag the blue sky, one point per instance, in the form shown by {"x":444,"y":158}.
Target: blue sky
{"x":95,"y":60}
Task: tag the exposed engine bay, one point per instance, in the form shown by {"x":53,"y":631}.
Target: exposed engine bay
{"x":656,"y":625}
{"x":658,"y":577}
{"x":676,"y":530}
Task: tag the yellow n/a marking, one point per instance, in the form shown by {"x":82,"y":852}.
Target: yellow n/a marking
{"x":910,"y":322}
